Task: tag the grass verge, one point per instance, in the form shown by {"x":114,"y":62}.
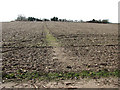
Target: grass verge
{"x":20,"y":75}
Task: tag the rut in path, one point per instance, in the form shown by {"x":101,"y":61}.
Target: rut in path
{"x":58,"y":51}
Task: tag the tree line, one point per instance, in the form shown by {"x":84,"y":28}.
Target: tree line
{"x":98,"y":21}
{"x":23,"y":18}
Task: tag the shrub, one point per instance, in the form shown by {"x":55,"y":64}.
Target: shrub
{"x":105,"y":21}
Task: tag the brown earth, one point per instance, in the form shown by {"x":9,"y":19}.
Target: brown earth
{"x":76,"y":47}
{"x":82,"y":83}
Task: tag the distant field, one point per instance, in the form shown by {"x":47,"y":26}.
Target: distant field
{"x":32,"y":50}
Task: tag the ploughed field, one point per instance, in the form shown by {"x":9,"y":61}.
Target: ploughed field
{"x":33,"y":49}
{"x":91,"y":46}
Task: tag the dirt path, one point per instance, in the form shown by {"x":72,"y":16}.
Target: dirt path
{"x":58,"y":51}
{"x":82,"y":83}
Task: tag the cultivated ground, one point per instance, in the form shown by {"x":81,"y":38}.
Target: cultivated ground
{"x":59,"y":55}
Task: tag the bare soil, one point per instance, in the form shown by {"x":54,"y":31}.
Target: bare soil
{"x":71,"y":47}
{"x":82,"y":83}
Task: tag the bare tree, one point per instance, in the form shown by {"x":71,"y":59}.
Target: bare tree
{"x":21,"y":18}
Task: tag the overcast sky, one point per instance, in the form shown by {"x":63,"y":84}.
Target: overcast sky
{"x":69,"y":9}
